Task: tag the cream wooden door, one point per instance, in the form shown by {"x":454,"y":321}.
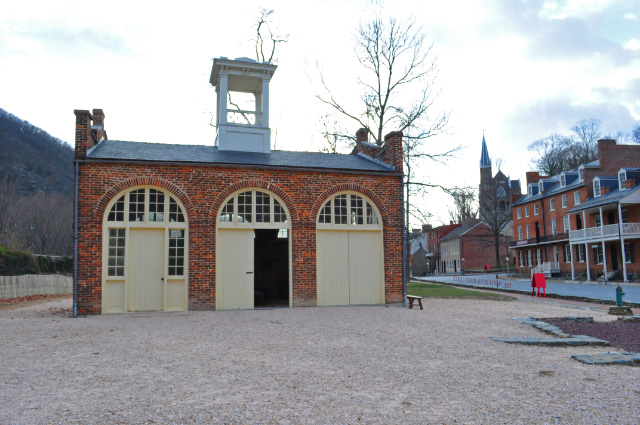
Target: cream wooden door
{"x":365,"y":268}
{"x":349,"y":267}
{"x":333,"y":267}
{"x":234,"y":264}
{"x":146,"y":269}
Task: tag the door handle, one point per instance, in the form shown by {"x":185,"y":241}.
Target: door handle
{"x":249,"y":272}
{"x":162,"y":279}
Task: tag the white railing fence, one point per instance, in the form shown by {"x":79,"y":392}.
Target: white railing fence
{"x":546,"y":267}
{"x":35,"y":284}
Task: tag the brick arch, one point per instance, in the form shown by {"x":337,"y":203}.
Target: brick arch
{"x":350,"y":187}
{"x":145,"y":181}
{"x":254,"y":184}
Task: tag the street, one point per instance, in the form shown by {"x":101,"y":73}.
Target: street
{"x":598,"y":291}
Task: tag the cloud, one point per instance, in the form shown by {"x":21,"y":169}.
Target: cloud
{"x":26,"y":39}
{"x":542,"y":117}
{"x":633,"y":44}
{"x":631,"y":16}
{"x":574,"y":39}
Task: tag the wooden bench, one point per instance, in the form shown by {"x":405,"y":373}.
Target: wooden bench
{"x":413,"y":298}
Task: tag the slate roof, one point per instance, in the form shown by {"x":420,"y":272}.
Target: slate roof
{"x":460,"y":231}
{"x":571,"y":177}
{"x":609,"y":198}
{"x":118,"y":150}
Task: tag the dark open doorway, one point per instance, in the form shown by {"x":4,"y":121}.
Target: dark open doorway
{"x":614,"y":257}
{"x":271,"y":268}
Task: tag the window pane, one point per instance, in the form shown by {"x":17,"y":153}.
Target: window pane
{"x":372,"y":217}
{"x":263,"y":207}
{"x":175,"y":212}
{"x":279,"y":216}
{"x":340,"y":209}
{"x":227,"y":212}
{"x":156,"y":205}
{"x":117,"y":211}
{"x":244,"y":207}
{"x":325,"y":213}
{"x":176,"y":255}
{"x":136,"y":205}
{"x":115,"y":258}
{"x":357,"y":210}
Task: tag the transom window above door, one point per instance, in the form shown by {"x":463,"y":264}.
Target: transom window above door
{"x":146,"y":205}
{"x":253,"y":208}
{"x":348,"y":209}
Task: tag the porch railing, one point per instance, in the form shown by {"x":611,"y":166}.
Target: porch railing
{"x":546,"y":268}
{"x":628,"y":229}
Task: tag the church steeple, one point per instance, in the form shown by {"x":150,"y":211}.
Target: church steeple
{"x":485,"y":161}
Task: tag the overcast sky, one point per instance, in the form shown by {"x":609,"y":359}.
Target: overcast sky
{"x":519,"y":70}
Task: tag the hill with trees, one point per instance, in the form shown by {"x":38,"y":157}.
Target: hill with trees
{"x":32,"y":158}
{"x":36,"y":189}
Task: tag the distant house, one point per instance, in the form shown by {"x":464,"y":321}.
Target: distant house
{"x":434,"y":236}
{"x":235,"y":225}
{"x":467,"y":247}
{"x":583,"y":223}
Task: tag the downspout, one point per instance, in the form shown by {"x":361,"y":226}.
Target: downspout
{"x":75,"y":242}
{"x":404,"y":251}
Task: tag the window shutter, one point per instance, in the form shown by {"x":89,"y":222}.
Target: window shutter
{"x":633,"y":260}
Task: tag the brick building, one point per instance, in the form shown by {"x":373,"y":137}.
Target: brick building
{"x":466,"y":248}
{"x":434,"y":236}
{"x":569,"y":224}
{"x":235,"y":225}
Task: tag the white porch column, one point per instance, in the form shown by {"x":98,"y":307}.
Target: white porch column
{"x":623,"y":253}
{"x":223,"y":86}
{"x":604,"y":252}
{"x":573,"y":273}
{"x":586,"y":253}
{"x":601,"y":224}
{"x":265,"y":101}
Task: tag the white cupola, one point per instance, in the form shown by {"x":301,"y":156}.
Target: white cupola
{"x":242,"y":121}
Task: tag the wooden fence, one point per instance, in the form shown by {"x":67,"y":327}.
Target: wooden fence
{"x":35,"y":284}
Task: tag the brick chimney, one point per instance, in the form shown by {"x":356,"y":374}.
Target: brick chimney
{"x":362,"y":135}
{"x":97,"y":129}
{"x":83,"y":133}
{"x":604,"y":190}
{"x":392,"y":150}
{"x":630,"y":183}
{"x":532,"y":177}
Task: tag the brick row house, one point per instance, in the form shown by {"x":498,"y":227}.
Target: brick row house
{"x":569,"y":224}
{"x":234,"y":225}
{"x":434,"y":251}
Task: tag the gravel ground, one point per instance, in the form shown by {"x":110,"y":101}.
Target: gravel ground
{"x":305,"y":365}
{"x":622,"y":335}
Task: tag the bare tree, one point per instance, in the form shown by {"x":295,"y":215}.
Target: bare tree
{"x":635,"y":133}
{"x":557,"y":153}
{"x":495,"y":213}
{"x":398,"y":91}
{"x":337,"y":139}
{"x":464,"y":208}
{"x":587,"y":133}
{"x":49,"y":221}
{"x":266,"y":38}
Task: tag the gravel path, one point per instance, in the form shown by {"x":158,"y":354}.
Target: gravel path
{"x":305,"y":365}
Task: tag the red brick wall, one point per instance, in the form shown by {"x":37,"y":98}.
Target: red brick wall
{"x":202,"y":189}
{"x":477,"y":248}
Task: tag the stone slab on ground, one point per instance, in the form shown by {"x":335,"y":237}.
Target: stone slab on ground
{"x":571,"y":341}
{"x":631,"y":359}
